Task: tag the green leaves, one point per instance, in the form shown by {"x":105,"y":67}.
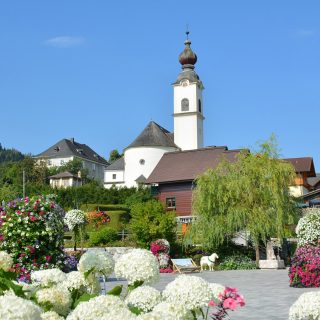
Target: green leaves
{"x":85,"y":297}
{"x":6,"y":283}
{"x":116,"y":291}
{"x":135,"y":285}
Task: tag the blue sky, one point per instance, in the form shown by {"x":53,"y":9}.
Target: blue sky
{"x":98,"y":71}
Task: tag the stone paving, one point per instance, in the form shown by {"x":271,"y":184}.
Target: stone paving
{"x":267,"y":292}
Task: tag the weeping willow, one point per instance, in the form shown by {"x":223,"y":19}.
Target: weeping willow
{"x":249,"y":194}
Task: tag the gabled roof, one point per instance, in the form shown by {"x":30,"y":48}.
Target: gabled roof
{"x":153,"y":135}
{"x":68,"y":148}
{"x":116,"y":165}
{"x":303,"y":165}
{"x":65,"y":174}
{"x":313,"y":181}
{"x":141,"y":179}
{"x":187,"y":165}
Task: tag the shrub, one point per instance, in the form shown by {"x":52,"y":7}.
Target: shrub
{"x":150,"y":221}
{"x":305,"y":267}
{"x":104,"y":207}
{"x":308,"y":228}
{"x":31,"y":230}
{"x":98,"y":218}
{"x":102,"y":237}
{"x":237,"y":263}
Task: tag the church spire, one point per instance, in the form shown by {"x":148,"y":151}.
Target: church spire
{"x":187,"y":58}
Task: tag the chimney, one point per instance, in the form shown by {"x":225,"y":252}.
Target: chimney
{"x":72,"y":140}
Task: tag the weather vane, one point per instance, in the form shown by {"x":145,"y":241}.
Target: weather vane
{"x":187,"y":32}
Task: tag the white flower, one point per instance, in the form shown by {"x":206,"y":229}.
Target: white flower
{"x":48,"y":277}
{"x":168,"y":311}
{"x":308,"y":228}
{"x":137,"y":265}
{"x":15,"y":308}
{"x":75,"y":218}
{"x":144,"y":298}
{"x":51,"y":315}
{"x":6,"y":261}
{"x":96,"y":261}
{"x":190,"y":291}
{"x":163,"y":259}
{"x":216,"y":290}
{"x":307,"y":307}
{"x":74,"y":280}
{"x":102,"y":307}
{"x":59,"y":299}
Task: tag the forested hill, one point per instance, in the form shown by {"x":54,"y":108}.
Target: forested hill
{"x":10,"y":155}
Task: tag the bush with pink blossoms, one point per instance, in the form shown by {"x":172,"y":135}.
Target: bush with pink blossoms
{"x":31,"y":230}
{"x":305,"y":267}
{"x":229,"y":300}
{"x":161,"y":248}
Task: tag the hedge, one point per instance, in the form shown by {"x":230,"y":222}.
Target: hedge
{"x":104,"y":207}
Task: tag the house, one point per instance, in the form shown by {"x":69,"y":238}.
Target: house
{"x":65,"y":180}
{"x":66,"y":150}
{"x":144,"y":153}
{"x":305,"y":180}
{"x":173,"y":178}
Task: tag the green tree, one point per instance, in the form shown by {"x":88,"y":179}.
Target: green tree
{"x":149,"y":222}
{"x":114,"y":155}
{"x":250,"y":194}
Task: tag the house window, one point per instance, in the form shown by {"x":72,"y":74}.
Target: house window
{"x":184,"y":104}
{"x":62,"y":162}
{"x":49,"y":163}
{"x":171,"y":203}
{"x":94,"y":166}
{"x":114,"y":176}
{"x":199,"y":105}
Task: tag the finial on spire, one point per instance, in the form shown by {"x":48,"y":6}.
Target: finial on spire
{"x":187,"y":58}
{"x":187,"y":31}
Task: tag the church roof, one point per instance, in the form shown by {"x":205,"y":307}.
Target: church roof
{"x":153,"y":135}
{"x":69,"y":148}
{"x":141,"y":179}
{"x":187,"y":165}
{"x":117,"y":164}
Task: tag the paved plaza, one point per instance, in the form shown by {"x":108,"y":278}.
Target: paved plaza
{"x":267,"y":292}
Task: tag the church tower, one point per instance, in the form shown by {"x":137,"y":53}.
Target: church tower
{"x":188,"y":105}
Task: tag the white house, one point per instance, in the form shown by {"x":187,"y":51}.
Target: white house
{"x":65,"y":179}
{"x":66,"y":150}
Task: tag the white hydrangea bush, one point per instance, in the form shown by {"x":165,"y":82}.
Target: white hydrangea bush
{"x":137,"y":265}
{"x":102,"y":307}
{"x":216,"y":290}
{"x":308,"y":228}
{"x":144,"y":298}
{"x":170,"y":311}
{"x":307,"y":307}
{"x":75,"y":218}
{"x":49,"y":277}
{"x":15,"y":308}
{"x":59,"y":299}
{"x":97,"y":261}
{"x":191,"y":291}
{"x":51,"y":315}
{"x":6,"y":261}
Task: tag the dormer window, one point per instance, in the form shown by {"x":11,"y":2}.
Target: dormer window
{"x":184,"y":104}
{"x":56,"y":149}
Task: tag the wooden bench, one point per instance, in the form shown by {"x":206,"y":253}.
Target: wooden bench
{"x":184,"y":265}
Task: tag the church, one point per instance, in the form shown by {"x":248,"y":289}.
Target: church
{"x":144,"y":153}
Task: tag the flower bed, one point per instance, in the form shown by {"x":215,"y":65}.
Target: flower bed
{"x":31,"y":230}
{"x":305,"y":267}
{"x":161,"y":248}
{"x":53,"y":294}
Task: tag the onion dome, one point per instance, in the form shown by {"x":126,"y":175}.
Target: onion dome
{"x":187,"y":57}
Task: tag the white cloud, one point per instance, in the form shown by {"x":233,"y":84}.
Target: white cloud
{"x":305,"y":32}
{"x":65,"y":42}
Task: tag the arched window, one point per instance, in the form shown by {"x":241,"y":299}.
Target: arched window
{"x":199,"y":105}
{"x":184,"y":104}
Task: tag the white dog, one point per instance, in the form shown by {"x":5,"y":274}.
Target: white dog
{"x":208,"y":261}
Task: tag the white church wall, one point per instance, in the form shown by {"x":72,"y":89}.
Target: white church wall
{"x":185,"y":132}
{"x":142,"y":161}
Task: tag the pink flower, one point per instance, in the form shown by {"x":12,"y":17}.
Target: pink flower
{"x":230,"y":303}
{"x":211,"y":303}
{"x":48,"y":258}
{"x":240,"y":300}
{"x":32,"y":218}
{"x":26,"y":199}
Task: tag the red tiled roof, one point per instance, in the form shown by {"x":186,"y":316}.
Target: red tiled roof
{"x":303,"y":165}
{"x":187,"y":165}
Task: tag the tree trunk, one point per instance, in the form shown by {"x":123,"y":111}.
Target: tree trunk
{"x":257,"y":255}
